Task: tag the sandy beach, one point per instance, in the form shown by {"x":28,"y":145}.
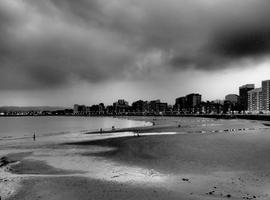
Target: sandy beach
{"x":176,"y":158}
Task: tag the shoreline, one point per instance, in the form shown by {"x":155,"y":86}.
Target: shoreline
{"x":190,"y":165}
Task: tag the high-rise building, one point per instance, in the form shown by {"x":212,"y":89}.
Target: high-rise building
{"x":232,"y":98}
{"x":255,"y":100}
{"x":181,"y":103}
{"x":140,"y":106}
{"x":266,"y":95}
{"x":193,"y":100}
{"x":243,"y":96}
{"x":153,"y":105}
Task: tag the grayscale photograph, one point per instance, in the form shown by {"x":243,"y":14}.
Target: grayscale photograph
{"x":134,"y":99}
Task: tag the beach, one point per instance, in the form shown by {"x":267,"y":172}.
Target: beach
{"x":175,"y":158}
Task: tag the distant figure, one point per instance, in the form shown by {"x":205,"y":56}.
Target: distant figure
{"x":113,"y":128}
{"x":34,"y":136}
{"x":100,"y":131}
{"x":154,"y":124}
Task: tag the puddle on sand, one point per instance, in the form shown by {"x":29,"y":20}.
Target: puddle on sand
{"x":99,"y":168}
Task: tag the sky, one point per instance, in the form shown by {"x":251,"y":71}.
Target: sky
{"x":62,"y":52}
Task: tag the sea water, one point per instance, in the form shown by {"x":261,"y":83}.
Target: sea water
{"x":23,"y":127}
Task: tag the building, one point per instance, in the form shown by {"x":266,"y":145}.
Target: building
{"x":152,"y":105}
{"x":193,"y":100}
{"x":180,"y":104}
{"x":140,"y":106}
{"x":121,"y":106}
{"x":266,"y":96}
{"x":233,"y":98}
{"x":255,"y":100}
{"x":157,"y":107}
{"x":243,"y":96}
{"x":79,"y":109}
{"x":161,"y":107}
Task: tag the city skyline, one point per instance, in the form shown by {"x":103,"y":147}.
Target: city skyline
{"x":171,"y":102}
{"x":63,"y":52}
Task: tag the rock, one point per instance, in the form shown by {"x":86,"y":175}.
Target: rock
{"x":228,"y":196}
{"x":185,"y":179}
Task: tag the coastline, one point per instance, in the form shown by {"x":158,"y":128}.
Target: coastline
{"x":190,"y":164}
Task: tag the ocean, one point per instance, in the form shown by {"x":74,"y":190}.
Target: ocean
{"x":24,"y":127}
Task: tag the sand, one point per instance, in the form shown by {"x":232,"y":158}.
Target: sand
{"x":200,"y":159}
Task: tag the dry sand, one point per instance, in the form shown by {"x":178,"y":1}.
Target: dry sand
{"x":200,"y":159}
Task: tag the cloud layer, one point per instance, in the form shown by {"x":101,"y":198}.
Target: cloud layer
{"x":49,"y":43}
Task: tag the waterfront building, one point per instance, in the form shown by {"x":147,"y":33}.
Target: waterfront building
{"x":233,"y":98}
{"x":121,"y":106}
{"x":161,"y":107}
{"x":79,"y":109}
{"x":243,"y":96}
{"x":255,"y":100}
{"x":193,"y":100}
{"x":181,"y":104}
{"x":266,"y":96}
{"x":140,"y":106}
{"x":157,"y":107}
{"x":152,"y":105}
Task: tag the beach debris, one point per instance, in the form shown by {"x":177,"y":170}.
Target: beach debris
{"x":185,"y":179}
{"x":34,"y":136}
{"x":228,"y":196}
{"x":211,"y":192}
{"x":249,"y":198}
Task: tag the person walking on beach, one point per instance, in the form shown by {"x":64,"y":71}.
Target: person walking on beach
{"x":34,"y":136}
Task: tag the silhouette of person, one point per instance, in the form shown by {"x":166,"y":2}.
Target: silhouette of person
{"x":34,"y":136}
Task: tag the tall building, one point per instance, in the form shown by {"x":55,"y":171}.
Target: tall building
{"x":193,"y":100}
{"x":153,"y":105}
{"x":157,"y":107}
{"x":243,"y":96}
{"x":255,"y":100}
{"x":233,"y":98}
{"x":140,"y":106}
{"x":121,"y":106}
{"x":266,"y":95}
{"x":181,"y":103}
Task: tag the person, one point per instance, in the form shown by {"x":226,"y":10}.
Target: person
{"x":100,"y":131}
{"x":34,"y":136}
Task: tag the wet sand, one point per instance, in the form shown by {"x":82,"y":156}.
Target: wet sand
{"x":200,"y":159}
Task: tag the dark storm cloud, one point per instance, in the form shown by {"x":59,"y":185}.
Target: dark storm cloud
{"x":48,"y":43}
{"x":254,"y":42}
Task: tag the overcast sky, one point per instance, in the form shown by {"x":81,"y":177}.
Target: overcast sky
{"x":61,"y":52}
